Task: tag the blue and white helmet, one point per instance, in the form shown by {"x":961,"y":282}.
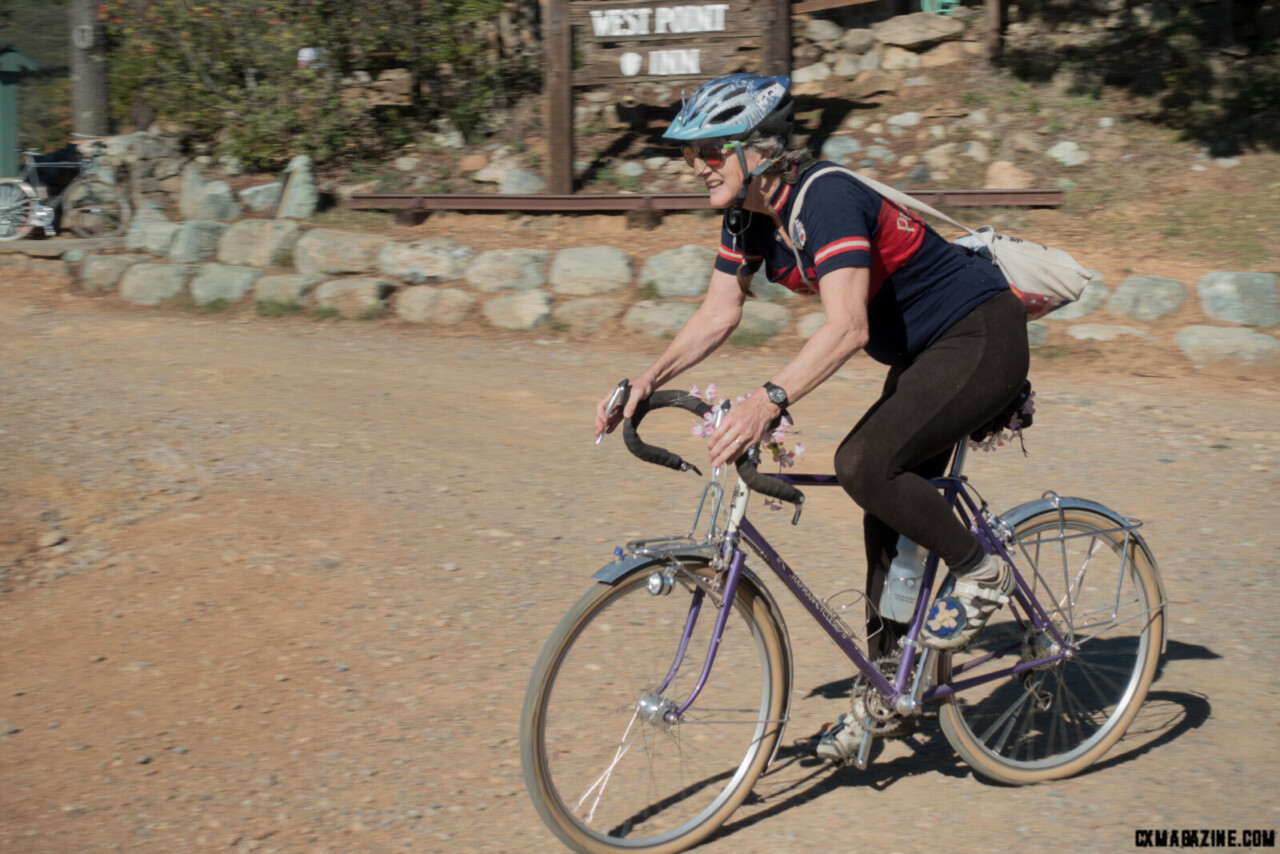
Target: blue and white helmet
{"x":733,"y":107}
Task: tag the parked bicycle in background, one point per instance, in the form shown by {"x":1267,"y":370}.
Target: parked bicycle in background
{"x":63,"y":190}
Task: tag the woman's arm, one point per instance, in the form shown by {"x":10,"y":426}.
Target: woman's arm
{"x":845,"y":293}
{"x":708,"y":327}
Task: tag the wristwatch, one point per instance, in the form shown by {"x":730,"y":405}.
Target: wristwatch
{"x":777,"y":396}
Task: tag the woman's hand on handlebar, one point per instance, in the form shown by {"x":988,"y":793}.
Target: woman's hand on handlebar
{"x":743,"y":425}
{"x":607,"y":422}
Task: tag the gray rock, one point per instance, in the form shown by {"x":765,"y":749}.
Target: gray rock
{"x":222,"y":282}
{"x":405,"y":164}
{"x":152,"y":284}
{"x":103,"y":272}
{"x":858,"y":41}
{"x":941,"y":158}
{"x":840,"y":149}
{"x":151,"y":233}
{"x":509,"y":270}
{"x":917,"y":31}
{"x":1216,"y":343}
{"x":976,"y":150}
{"x":760,"y":322}
{"x":1037,"y":333}
{"x":769,"y":291}
{"x":299,"y":197}
{"x":1249,"y":299}
{"x":428,"y":261}
{"x":846,"y":65}
{"x":522,"y":311}
{"x":820,"y":31}
{"x":814,"y":73}
{"x":629,"y":169}
{"x":658,"y":319}
{"x":904,"y":120}
{"x":196,"y":240}
{"x":441,"y":306}
{"x":1068,"y":153}
{"x":259,"y":243}
{"x":201,"y":199}
{"x":811,"y":323}
{"x":263,"y":197}
{"x":683,"y":272}
{"x":1095,"y":293}
{"x":590,"y":270}
{"x":881,"y":154}
{"x":324,"y":250}
{"x":1147,"y":297}
{"x":288,"y":290}
{"x":521,"y":182}
{"x":1103,"y":332}
{"x":354,"y":298}
{"x":588,"y":315}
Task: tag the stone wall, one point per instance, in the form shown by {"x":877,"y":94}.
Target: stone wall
{"x":585,"y":291}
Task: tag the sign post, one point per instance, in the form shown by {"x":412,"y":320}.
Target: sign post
{"x":13,"y":64}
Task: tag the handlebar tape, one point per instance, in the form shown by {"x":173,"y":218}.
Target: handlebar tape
{"x":761,"y":483}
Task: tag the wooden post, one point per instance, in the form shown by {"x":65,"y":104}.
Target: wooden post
{"x":89,"y":104}
{"x":995,"y":30}
{"x":13,"y":65}
{"x":557,"y":89}
{"x":775,"y":48}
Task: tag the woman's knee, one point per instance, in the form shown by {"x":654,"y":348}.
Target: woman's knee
{"x":861,"y":473}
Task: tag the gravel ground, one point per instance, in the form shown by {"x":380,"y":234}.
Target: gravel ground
{"x":277,"y":585}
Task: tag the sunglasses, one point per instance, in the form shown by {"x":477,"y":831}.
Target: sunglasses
{"x":712,"y":155}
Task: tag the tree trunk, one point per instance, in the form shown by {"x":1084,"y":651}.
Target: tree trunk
{"x":90,"y":110}
{"x":995,"y":30}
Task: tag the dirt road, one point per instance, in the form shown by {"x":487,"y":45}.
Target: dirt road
{"x":277,"y":585}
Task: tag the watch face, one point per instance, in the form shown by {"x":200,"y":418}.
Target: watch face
{"x":778,"y":396}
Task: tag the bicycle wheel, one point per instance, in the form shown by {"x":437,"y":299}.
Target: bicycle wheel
{"x":16,"y":199}
{"x":607,"y":774}
{"x":1098,"y":585}
{"x":94,"y":208}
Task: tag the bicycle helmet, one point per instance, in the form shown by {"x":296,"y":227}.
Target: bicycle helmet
{"x":734,"y":107}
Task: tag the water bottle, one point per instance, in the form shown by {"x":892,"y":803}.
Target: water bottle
{"x":898,"y":601}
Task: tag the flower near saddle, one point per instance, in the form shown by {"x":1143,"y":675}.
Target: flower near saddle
{"x":775,"y":443}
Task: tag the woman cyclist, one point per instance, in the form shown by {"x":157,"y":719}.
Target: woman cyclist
{"x":945,"y":323}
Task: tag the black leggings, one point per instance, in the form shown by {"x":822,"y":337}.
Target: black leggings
{"x":951,"y":389}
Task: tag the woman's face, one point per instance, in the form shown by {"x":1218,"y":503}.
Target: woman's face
{"x":720,"y":170}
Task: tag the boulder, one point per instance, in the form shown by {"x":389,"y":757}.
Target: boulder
{"x":658,"y":319}
{"x":103,"y":272}
{"x":521,"y":182}
{"x":590,"y":271}
{"x":1095,"y":293}
{"x":1248,"y":299}
{"x":324,"y":250}
{"x":520,"y":311}
{"x":259,"y":243}
{"x":917,"y":31}
{"x":292,"y":289}
{"x":263,"y":197}
{"x":152,"y":233}
{"x":299,"y":197}
{"x":427,"y":261}
{"x":195,"y":241}
{"x":1104,"y":332}
{"x":683,"y":272}
{"x":1216,"y":343}
{"x":1147,"y":297}
{"x":201,"y":199}
{"x":1003,"y":175}
{"x":152,"y":284}
{"x":509,"y":269}
{"x":223,"y":282}
{"x":760,"y":322}
{"x":441,"y":306}
{"x":588,"y":315}
{"x":354,"y":298}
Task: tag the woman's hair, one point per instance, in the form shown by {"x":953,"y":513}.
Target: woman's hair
{"x":784,"y":157}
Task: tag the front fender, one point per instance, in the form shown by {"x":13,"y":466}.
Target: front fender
{"x":1052,"y":503}
{"x":619,"y":568}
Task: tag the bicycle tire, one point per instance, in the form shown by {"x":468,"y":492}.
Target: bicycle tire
{"x":1114,"y":618}
{"x":582,"y":707}
{"x":16,"y":198}
{"x":93,"y":208}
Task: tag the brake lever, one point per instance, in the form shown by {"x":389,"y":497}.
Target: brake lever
{"x":615,"y":400}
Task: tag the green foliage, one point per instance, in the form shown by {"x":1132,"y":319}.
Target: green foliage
{"x":228,"y":71}
{"x":272,"y":308}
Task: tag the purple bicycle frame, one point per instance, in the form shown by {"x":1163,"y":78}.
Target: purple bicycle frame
{"x":953,"y":489}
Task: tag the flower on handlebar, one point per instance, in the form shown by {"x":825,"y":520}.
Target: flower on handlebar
{"x":776,"y":442}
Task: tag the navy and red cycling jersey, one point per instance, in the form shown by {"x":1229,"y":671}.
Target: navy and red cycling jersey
{"x":920,"y":283}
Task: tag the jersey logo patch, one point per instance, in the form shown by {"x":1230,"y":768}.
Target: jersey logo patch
{"x":797,"y":234}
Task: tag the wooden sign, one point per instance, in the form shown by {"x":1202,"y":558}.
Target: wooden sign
{"x":623,"y":41}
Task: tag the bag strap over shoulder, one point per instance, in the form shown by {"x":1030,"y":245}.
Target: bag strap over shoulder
{"x":896,"y":196}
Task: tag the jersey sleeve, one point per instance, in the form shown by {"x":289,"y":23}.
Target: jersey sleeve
{"x":731,"y":253}
{"x":838,"y":220}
